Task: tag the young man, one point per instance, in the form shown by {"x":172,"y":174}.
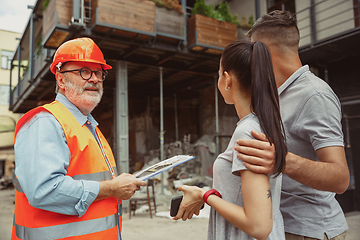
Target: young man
{"x":316,"y":166}
{"x":67,"y":183}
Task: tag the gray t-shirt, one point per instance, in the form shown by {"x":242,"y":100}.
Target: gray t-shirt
{"x":227,"y":181}
{"x":311,"y":113}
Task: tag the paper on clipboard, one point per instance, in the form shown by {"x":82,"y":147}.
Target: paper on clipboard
{"x":162,"y":166}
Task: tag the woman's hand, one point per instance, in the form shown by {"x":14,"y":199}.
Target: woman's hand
{"x":191,"y":203}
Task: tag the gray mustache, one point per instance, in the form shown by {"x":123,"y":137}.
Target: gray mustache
{"x":91,"y":85}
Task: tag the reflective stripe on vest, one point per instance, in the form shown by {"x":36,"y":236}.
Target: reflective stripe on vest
{"x":101,"y":219}
{"x":100,"y":176}
{"x":67,"y":230}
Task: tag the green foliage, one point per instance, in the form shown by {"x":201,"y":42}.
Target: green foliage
{"x":224,"y":13}
{"x":158,"y":3}
{"x":212,"y":12}
{"x":244,"y":22}
{"x":38,"y":47}
{"x":169,"y":4}
{"x":221,"y":14}
{"x":236,"y":19}
{"x":45,"y":4}
{"x":251,"y":21}
{"x":201,"y":8}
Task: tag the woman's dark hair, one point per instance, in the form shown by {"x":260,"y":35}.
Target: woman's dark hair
{"x":252,"y":66}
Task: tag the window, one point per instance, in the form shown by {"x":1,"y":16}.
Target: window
{"x":4,"y":94}
{"x":6,"y":57}
{"x":288,"y":5}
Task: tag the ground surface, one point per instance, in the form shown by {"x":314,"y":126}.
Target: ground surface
{"x":141,"y":226}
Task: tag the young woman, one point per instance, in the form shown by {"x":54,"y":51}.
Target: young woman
{"x":244,"y":204}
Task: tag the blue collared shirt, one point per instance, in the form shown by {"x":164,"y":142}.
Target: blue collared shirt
{"x":42,"y":158}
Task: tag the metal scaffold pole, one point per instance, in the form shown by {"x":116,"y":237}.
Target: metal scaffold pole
{"x":161,"y":127}
{"x":216,"y":116}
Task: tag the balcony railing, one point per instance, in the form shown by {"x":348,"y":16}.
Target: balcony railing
{"x":325,"y":19}
{"x":25,"y":80}
{"x":317,"y":21}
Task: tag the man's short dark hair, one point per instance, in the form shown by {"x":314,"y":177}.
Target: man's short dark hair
{"x":279,"y":27}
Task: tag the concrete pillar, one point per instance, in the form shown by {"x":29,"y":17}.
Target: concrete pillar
{"x":122,"y":117}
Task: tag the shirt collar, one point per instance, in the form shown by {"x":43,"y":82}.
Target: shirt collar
{"x":293,"y":78}
{"x":75,"y":111}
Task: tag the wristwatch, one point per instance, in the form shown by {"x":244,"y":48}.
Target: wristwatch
{"x":210,"y":192}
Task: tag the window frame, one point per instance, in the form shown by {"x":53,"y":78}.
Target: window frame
{"x":279,"y":5}
{"x":6,"y":57}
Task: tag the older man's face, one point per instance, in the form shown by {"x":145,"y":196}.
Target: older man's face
{"x":84,"y":94}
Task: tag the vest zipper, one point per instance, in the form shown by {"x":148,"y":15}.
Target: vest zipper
{"x":113,"y":176}
{"x":106,"y":159}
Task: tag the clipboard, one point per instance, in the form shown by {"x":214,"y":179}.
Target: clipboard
{"x":162,"y":166}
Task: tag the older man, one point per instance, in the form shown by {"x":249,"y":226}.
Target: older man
{"x":67,"y":183}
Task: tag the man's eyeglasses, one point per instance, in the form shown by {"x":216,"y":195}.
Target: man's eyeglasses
{"x":86,"y":73}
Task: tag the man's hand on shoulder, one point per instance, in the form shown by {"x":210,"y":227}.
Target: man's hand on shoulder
{"x":258,"y":155}
{"x":330,"y":173}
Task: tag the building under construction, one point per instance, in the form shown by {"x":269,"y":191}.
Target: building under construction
{"x":161,"y":98}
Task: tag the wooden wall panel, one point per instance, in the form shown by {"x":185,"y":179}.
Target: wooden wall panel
{"x":133,"y":14}
{"x":210,"y":31}
{"x":170,"y":22}
{"x":63,"y":10}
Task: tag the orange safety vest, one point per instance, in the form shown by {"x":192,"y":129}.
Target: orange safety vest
{"x":87,"y":163}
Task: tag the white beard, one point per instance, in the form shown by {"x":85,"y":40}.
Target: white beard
{"x":85,"y":101}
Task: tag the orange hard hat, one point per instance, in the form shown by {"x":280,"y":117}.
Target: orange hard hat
{"x":78,"y":50}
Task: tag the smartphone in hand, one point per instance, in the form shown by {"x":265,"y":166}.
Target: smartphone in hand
{"x":175,"y":204}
